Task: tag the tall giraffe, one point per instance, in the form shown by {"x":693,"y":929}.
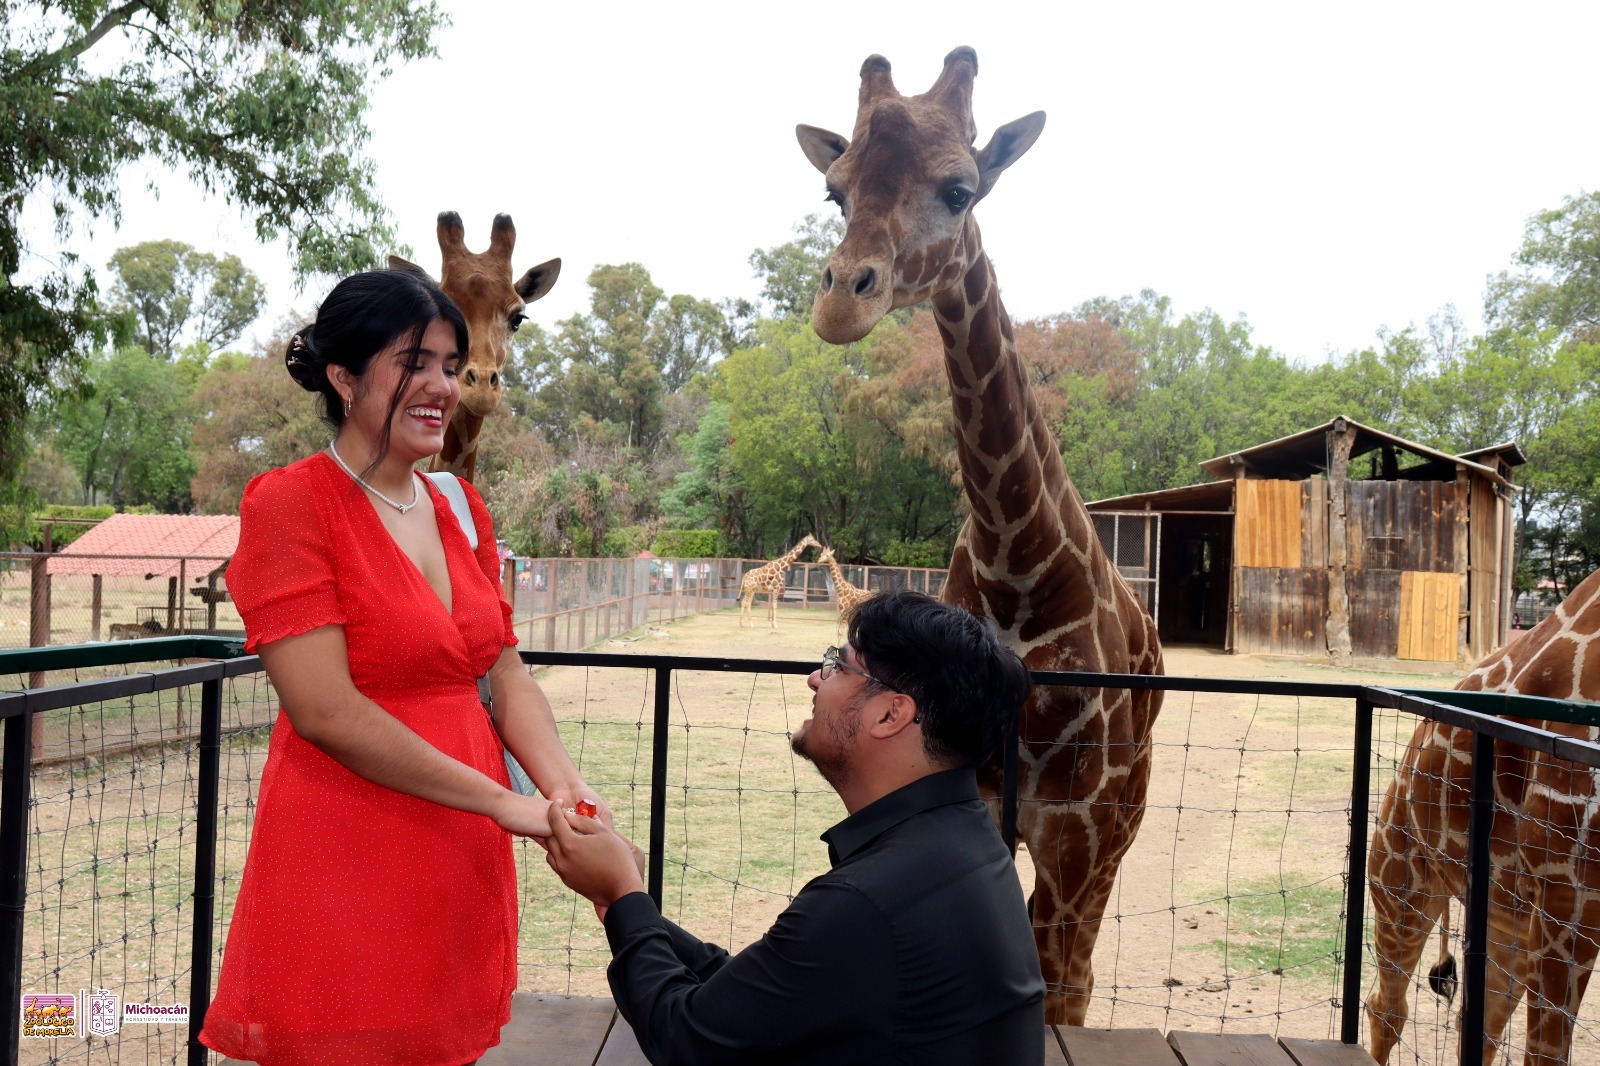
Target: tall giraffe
{"x":1027,"y":556}
{"x":768,"y":578}
{"x":1544,"y":896}
{"x":480,"y":284}
{"x":848,"y":596}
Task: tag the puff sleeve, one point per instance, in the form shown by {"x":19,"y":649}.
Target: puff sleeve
{"x":488,"y":555}
{"x":282,"y":576}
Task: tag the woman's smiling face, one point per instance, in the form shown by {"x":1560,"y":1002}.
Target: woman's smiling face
{"x":416,"y":430}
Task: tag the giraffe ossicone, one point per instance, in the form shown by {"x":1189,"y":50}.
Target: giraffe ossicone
{"x":481,"y":285}
{"x":1544,"y":892}
{"x":906,"y":180}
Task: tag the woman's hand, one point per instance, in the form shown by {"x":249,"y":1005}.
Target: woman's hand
{"x":578,"y":794}
{"x":524,"y":816}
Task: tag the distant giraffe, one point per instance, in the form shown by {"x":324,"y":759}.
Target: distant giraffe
{"x":769,"y":579}
{"x":848,"y":596}
{"x":1027,"y":556}
{"x":480,"y":284}
{"x":1544,"y":892}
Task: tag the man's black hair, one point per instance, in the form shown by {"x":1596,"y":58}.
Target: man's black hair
{"x":967,"y":684}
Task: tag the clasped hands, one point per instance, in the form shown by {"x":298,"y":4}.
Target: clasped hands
{"x":589,"y":856}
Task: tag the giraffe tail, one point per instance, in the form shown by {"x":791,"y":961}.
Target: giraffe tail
{"x":1442,"y":976}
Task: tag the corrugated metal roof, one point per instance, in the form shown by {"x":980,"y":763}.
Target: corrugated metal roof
{"x":158,"y":541}
{"x":1302,"y":454}
{"x":1205,"y":496}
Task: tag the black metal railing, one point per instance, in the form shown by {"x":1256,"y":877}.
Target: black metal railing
{"x":1473,"y":711}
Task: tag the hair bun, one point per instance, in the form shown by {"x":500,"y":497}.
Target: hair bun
{"x":302,"y":362}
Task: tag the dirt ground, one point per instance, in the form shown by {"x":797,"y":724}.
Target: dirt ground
{"x":1228,"y":915}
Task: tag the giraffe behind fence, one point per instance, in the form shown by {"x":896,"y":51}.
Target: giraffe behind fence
{"x":1544,"y":894}
{"x":769,"y":579}
{"x":847,"y":595}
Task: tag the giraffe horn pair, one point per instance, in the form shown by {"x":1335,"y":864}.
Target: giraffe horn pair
{"x":952,"y":90}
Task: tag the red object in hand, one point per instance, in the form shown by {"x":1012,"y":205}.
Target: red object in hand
{"x":586,"y":808}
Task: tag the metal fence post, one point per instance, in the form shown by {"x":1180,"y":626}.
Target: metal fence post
{"x":205,"y":864}
{"x":15,"y":792}
{"x":658,"y":783}
{"x":1355,"y":891}
{"x":1475,"y":951}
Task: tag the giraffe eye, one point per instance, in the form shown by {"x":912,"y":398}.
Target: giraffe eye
{"x":956,"y":198}
{"x":516,"y":320}
{"x":835,"y":197}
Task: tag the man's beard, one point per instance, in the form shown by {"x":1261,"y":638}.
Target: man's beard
{"x":827,"y":750}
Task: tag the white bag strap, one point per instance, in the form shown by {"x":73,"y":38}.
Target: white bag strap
{"x":448,"y":484}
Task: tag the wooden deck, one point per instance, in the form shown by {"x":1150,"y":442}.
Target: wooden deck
{"x":578,"y":1031}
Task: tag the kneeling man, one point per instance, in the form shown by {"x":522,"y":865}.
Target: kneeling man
{"x":915,"y":947}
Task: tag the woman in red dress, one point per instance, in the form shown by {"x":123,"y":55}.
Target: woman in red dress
{"x":377,"y":916}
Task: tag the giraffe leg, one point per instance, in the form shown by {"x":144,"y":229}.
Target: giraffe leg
{"x":1402,"y":918}
{"x":1559,"y":958}
{"x":1504,"y":974}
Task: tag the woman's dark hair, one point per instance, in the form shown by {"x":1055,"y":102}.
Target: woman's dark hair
{"x":967,"y":684}
{"x":363,"y":315}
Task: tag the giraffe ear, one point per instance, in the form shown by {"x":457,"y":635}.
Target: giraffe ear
{"x":397,"y":263}
{"x":538,"y":280}
{"x":820,"y":146}
{"x":1006,"y":147}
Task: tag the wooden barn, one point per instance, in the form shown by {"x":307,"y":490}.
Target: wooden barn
{"x":1340,"y":540}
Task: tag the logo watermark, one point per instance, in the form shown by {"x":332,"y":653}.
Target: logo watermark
{"x":45,"y":1016}
{"x":104,"y":1014}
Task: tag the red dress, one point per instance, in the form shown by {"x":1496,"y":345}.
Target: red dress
{"x":372,"y":927}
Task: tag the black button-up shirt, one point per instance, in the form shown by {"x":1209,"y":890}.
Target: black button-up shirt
{"x":915,"y":948}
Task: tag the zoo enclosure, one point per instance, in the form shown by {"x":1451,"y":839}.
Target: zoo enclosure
{"x":557,"y":604}
{"x":190,"y":833}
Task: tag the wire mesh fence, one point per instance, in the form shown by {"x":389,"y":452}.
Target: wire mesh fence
{"x":1230,"y":914}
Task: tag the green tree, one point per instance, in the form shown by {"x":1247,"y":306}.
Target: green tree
{"x":250,"y":417}
{"x":606,"y":375}
{"x":1558,"y":283}
{"x":790,"y":271}
{"x":128,"y":434}
{"x":178,"y":295}
{"x":263,"y":102}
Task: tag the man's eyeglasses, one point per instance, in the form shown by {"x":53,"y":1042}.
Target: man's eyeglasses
{"x":832,"y":660}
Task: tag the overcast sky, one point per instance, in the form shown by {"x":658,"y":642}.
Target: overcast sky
{"x":1322,"y":170}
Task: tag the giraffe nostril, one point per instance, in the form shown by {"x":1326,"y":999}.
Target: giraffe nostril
{"x":494,"y":379}
{"x":827,"y":279}
{"x":470,"y":377}
{"x":866,"y":281}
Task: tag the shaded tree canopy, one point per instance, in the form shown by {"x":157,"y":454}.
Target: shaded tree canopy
{"x":263,"y":103}
{"x":174,"y":293}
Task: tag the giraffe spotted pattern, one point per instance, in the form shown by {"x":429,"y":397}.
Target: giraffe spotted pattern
{"x":1544,"y":898}
{"x":1027,"y":556}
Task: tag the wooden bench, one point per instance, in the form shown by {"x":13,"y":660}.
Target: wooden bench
{"x":580,"y":1031}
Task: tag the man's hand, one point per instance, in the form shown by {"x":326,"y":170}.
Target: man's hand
{"x":590,"y":857}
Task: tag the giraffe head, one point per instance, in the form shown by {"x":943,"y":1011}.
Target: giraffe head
{"x":481,"y":285}
{"x":826,"y":557}
{"x":906,"y":181}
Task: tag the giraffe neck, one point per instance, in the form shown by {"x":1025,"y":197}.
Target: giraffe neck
{"x":786,"y":560}
{"x":838,"y":574}
{"x":1028,"y":537}
{"x":459,"y":455}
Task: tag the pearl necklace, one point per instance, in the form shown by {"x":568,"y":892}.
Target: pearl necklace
{"x":401,"y":507}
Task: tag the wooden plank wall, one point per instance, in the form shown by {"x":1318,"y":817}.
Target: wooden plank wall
{"x":1429,"y":607}
{"x":1398,"y":535}
{"x":1403,"y":525}
{"x":1282,"y":610}
{"x":1314,"y":534}
{"x":1374,"y":613}
{"x":1484,"y":632}
{"x":1269,"y":523}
